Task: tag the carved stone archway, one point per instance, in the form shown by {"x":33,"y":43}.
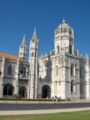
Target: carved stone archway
{"x":8,"y":90}
{"x":46,"y":91}
{"x":22,"y":92}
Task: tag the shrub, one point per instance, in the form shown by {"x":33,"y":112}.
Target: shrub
{"x":16,"y":96}
{"x":68,"y":99}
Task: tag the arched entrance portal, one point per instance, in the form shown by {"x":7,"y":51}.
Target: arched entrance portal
{"x":22,"y":92}
{"x":46,"y":91}
{"x":8,"y":90}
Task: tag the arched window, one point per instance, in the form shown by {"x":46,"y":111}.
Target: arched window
{"x":8,"y":90}
{"x":35,"y":54}
{"x":9,"y":70}
{"x":32,"y":54}
{"x":46,"y":91}
{"x":70,"y":49}
{"x":46,"y":63}
{"x":81,"y":72}
{"x":64,"y":30}
{"x":23,"y":72}
{"x":22,"y":92}
{"x":70,"y":32}
{"x":72,"y":70}
{"x":58,"y":50}
{"x":72,"y":86}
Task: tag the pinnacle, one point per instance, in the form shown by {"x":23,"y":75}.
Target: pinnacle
{"x":24,"y":38}
{"x":34,"y":37}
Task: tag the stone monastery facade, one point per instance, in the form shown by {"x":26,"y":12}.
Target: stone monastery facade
{"x":63,"y":73}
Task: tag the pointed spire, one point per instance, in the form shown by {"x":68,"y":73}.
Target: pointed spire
{"x":45,"y":54}
{"x":87,"y":59}
{"x":34,"y":37}
{"x":41,"y":55}
{"x":18,"y":59}
{"x":50,"y":52}
{"x":81,"y":56}
{"x":77,"y":52}
{"x":87,"y":56}
{"x":24,"y":39}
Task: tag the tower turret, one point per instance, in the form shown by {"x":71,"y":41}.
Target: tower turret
{"x":33,"y":60}
{"x":64,"y":39}
{"x":23,"y":49}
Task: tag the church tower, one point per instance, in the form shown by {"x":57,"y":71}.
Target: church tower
{"x":33,"y":60}
{"x":64,"y":39}
{"x":23,"y":50}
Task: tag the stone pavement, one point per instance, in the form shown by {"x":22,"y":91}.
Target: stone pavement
{"x":26,"y":112}
{"x":46,"y":111}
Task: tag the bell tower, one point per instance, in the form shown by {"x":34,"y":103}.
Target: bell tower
{"x":23,"y":49}
{"x":64,"y":39}
{"x":33,"y":60}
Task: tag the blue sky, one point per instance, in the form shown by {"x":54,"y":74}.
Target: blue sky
{"x":21,"y":16}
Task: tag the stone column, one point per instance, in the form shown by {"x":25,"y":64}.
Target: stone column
{"x":29,"y":76}
{"x":74,"y":86}
{"x":36,"y":79}
{"x":2,"y":77}
{"x":87,"y":78}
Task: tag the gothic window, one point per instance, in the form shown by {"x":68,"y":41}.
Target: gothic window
{"x":64,"y":30}
{"x":72,"y":70}
{"x":58,"y":49}
{"x":23,"y":72}
{"x":24,"y":58}
{"x":22,"y":92}
{"x":32,"y":54}
{"x":35,"y":54}
{"x":72,"y":85}
{"x":46,"y":91}
{"x":70,"y":32}
{"x":46,"y":64}
{"x":8,"y":90}
{"x":9,"y":70}
{"x":81,"y":72}
{"x":70,"y":49}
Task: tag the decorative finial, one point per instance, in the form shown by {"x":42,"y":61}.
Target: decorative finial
{"x":41,"y":55}
{"x":63,"y":21}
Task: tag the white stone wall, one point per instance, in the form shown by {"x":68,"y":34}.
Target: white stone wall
{"x":13,"y":78}
{"x":85,"y":77}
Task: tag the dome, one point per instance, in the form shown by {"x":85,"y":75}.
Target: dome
{"x":64,"y":28}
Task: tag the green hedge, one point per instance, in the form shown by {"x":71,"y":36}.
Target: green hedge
{"x":25,"y":99}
